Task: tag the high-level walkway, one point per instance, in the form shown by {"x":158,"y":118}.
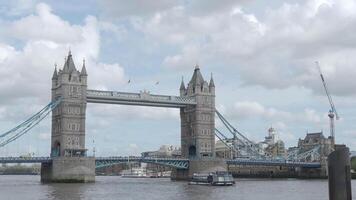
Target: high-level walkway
{"x":141,"y":99}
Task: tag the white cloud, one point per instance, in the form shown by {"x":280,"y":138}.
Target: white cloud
{"x":25,"y":73}
{"x":113,"y":73}
{"x":17,"y":7}
{"x":190,"y":56}
{"x":133,"y":146}
{"x":207,"y":7}
{"x":44,"y":136}
{"x":133,"y":149}
{"x":129,"y":113}
{"x":45,"y":26}
{"x":2,"y":112}
{"x":311,"y":115}
{"x":122,"y":8}
{"x":247,"y":110}
{"x":277,"y":50}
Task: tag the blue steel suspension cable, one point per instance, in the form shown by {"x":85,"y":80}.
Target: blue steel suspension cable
{"x":30,"y":123}
{"x":25,"y":122}
{"x":33,"y":122}
{"x":249,"y":144}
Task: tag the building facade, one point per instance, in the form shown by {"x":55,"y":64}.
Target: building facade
{"x":272,"y":145}
{"x":165,"y":151}
{"x":224,"y":149}
{"x":313,"y":140}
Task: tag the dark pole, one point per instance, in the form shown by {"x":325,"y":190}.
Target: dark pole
{"x":339,"y":174}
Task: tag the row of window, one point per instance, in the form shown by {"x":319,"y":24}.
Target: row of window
{"x":73,"y":110}
{"x":205,"y":131}
{"x":202,"y":88}
{"x":73,"y":126}
{"x":73,"y":142}
{"x":74,"y":91}
{"x":207,"y":100}
{"x":202,"y":117}
{"x":201,"y":132}
{"x":205,"y":117}
{"x":70,"y":126}
{"x":205,"y":147}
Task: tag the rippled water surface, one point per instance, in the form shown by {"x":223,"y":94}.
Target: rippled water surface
{"x":29,"y":187}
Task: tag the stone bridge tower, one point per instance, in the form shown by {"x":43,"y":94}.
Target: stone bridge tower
{"x":198,"y":122}
{"x":69,"y":160}
{"x":68,"y":118}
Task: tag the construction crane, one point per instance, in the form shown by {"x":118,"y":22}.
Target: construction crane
{"x":332,"y":111}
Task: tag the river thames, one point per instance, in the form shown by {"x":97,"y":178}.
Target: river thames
{"x":114,"y":187}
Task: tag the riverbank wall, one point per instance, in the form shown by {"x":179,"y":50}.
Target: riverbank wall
{"x":241,"y":171}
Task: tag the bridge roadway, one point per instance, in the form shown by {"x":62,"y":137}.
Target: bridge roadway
{"x":106,"y":161}
{"x":172,"y":162}
{"x":141,"y":99}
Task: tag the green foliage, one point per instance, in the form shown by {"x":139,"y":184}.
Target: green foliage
{"x":353,"y":163}
{"x":19,"y":169}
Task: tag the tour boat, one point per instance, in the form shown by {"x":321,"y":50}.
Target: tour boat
{"x":218,"y":178}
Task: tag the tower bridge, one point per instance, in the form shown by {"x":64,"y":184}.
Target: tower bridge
{"x":68,"y":159}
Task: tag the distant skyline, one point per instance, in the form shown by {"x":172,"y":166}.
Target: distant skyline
{"x":262,"y":56}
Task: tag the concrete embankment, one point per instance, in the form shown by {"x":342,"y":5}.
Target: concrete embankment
{"x":275,"y":172}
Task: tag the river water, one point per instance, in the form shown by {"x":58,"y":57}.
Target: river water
{"x":113,"y":187}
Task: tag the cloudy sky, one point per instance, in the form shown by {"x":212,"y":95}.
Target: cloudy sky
{"x":261,"y":55}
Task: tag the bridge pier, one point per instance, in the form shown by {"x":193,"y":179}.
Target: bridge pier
{"x":199,"y":166}
{"x":69,"y":170}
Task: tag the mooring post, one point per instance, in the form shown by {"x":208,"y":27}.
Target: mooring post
{"x":339,"y":174}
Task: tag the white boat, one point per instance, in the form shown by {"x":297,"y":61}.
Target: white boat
{"x":134,"y":173}
{"x":218,"y":178}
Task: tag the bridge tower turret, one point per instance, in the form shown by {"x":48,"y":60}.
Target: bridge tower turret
{"x":68,"y":118}
{"x":198,"y":121}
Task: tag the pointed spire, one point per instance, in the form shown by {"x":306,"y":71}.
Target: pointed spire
{"x":55,"y":74}
{"x":197,"y":78}
{"x":70,"y":62}
{"x":182,"y":86}
{"x":211,"y":84}
{"x":65,"y":67}
{"x":84,"y":70}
